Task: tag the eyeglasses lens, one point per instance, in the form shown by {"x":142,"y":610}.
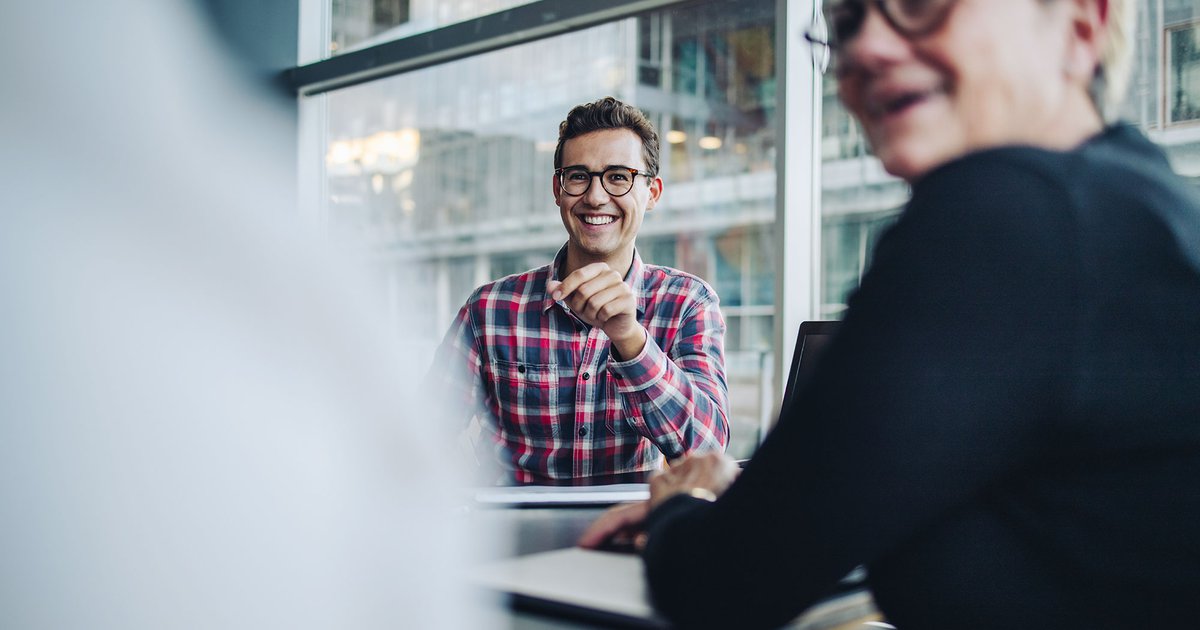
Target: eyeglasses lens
{"x":910,"y":18}
{"x":845,"y":19}
{"x":916,"y":17}
{"x":616,"y":181}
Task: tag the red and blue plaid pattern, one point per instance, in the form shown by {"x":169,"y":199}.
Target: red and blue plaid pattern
{"x":559,"y":408}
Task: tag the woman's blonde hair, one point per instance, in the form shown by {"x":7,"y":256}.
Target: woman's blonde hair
{"x":1116,"y":59}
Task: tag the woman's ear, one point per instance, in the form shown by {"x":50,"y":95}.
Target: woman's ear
{"x":1089,"y":30}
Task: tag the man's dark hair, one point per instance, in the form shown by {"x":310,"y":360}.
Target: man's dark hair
{"x":609,"y":113}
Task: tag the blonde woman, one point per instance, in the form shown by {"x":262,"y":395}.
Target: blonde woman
{"x":1006,"y":430}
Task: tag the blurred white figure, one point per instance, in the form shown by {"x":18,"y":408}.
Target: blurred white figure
{"x":201,"y":423}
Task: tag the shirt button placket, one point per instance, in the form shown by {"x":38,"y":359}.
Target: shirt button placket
{"x":588,"y":405}
{"x":583,"y":430}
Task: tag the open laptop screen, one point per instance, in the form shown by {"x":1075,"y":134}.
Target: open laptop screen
{"x":810,"y":342}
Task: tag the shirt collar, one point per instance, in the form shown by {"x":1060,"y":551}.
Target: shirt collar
{"x":635,"y":278}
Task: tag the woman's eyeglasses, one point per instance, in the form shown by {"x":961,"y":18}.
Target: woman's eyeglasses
{"x":843,"y":19}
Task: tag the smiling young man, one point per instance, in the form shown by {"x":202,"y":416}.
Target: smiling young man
{"x":597,"y":367}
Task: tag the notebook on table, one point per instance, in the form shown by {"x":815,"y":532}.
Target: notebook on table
{"x":561,"y":496}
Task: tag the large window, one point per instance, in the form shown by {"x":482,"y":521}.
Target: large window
{"x":448,"y":168}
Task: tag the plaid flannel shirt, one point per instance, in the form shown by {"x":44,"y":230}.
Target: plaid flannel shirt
{"x":558,"y":408}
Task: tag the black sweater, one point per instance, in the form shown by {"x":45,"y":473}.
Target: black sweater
{"x":1006,"y":429}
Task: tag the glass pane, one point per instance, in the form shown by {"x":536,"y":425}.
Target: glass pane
{"x":1183,"y":75}
{"x":858,"y":202}
{"x":362,"y":23}
{"x":749,"y":395}
{"x":450,"y":167}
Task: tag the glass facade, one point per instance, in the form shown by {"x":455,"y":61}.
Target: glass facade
{"x":447,"y":169}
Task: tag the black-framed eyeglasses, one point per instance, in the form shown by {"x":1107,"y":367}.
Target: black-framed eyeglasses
{"x":616,"y":180}
{"x":843,"y":19}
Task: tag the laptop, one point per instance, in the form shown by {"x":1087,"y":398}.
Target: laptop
{"x":811,"y":341}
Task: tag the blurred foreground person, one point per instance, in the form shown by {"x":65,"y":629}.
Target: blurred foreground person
{"x":199,"y":418}
{"x":1006,"y":430}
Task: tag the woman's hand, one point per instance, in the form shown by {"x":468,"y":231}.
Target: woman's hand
{"x":704,"y":473}
{"x":711,"y":472}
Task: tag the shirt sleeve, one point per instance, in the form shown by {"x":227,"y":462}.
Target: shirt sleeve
{"x":942,"y":379}
{"x":678,"y":397}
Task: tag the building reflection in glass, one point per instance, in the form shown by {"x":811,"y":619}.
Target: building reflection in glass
{"x":447,"y":169}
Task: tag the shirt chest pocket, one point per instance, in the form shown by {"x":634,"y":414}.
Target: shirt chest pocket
{"x":527,"y":397}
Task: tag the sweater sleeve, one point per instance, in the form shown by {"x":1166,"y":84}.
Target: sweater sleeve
{"x":939,"y":383}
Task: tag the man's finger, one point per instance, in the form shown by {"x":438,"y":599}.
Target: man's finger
{"x":576,"y":278}
{"x":586,"y":292}
{"x":578,"y":298}
{"x":612,"y":297}
{"x":616,"y":308}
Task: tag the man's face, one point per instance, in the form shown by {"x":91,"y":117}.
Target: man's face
{"x":600,"y":226}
